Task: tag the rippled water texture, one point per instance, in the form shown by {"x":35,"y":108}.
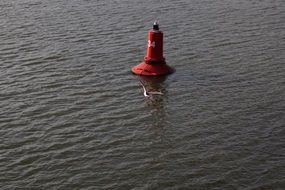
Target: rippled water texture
{"x":72,"y":116}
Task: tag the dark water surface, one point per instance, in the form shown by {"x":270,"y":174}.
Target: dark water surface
{"x":72,"y":116}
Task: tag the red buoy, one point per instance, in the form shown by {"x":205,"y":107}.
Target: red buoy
{"x":154,"y":62}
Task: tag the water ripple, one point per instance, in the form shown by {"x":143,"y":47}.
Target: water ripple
{"x":73,"y":116}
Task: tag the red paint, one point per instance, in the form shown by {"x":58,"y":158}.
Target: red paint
{"x":154,"y":51}
{"x":154,"y":62}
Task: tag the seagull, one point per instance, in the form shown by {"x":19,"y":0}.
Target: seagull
{"x":148,"y":94}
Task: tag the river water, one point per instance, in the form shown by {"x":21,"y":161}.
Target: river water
{"x":72,"y":116}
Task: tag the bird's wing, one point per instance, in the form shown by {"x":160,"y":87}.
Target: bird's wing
{"x":155,"y":93}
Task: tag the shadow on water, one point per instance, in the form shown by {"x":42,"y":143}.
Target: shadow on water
{"x":157,"y":124}
{"x":156,"y":104}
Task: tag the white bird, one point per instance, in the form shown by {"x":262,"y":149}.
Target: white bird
{"x":148,"y":94}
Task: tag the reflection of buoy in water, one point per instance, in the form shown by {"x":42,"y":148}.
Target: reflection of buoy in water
{"x":154,"y":62}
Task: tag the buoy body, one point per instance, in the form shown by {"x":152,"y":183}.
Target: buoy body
{"x":154,"y":62}
{"x":154,"y":51}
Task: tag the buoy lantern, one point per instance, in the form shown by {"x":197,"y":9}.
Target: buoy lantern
{"x":154,"y":63}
